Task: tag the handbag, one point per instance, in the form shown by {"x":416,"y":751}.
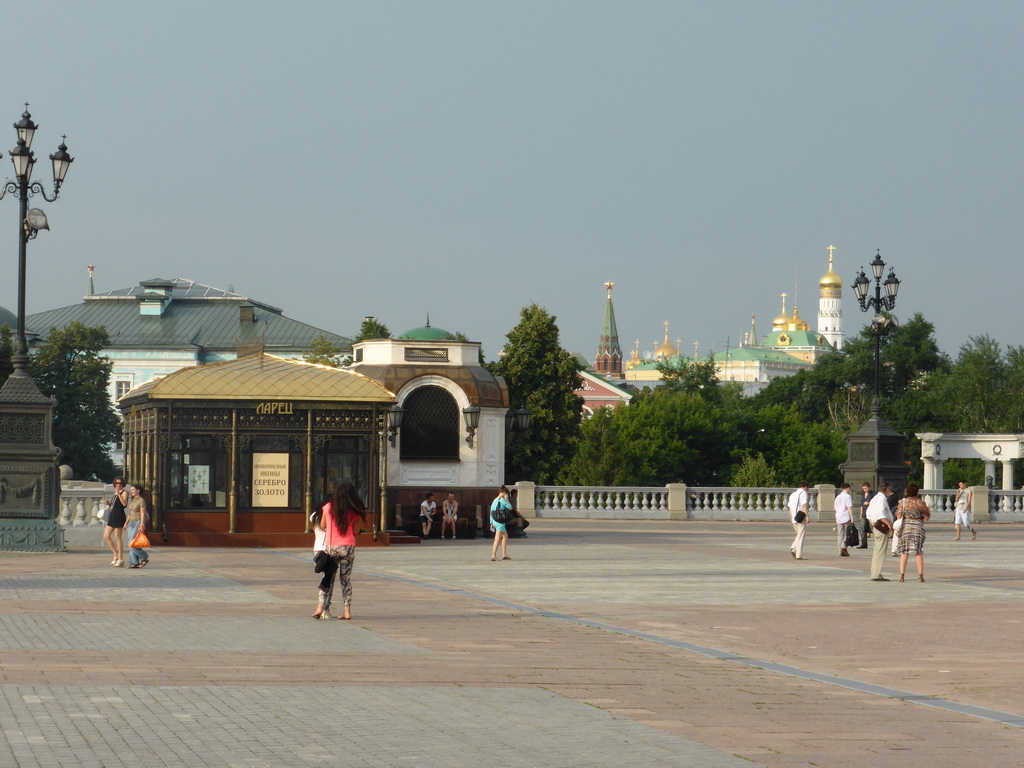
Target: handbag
{"x":883,"y":526}
{"x":800,"y":516}
{"x":321,"y":562}
{"x":852,"y":536}
{"x":140,"y":541}
{"x":502,"y":514}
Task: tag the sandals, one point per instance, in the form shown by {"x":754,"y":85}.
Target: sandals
{"x":901,"y":577}
{"x":506,"y":557}
{"x":144,"y":563}
{"x":974,"y":535}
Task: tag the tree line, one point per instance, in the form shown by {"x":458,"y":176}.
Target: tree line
{"x":693,"y":429}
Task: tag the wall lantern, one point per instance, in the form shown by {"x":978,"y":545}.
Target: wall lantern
{"x":395,"y":416}
{"x":472,"y":416}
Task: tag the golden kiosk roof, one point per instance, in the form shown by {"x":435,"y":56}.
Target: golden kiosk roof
{"x":262,"y":377}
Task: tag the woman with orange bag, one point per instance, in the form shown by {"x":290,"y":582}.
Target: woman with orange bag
{"x":137,"y":518}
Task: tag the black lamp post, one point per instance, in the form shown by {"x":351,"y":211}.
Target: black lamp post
{"x":28,"y":516}
{"x":29,"y":221}
{"x":880,"y":323}
{"x":517,"y":421}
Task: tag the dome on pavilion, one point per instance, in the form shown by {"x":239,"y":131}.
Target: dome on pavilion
{"x":428,"y":333}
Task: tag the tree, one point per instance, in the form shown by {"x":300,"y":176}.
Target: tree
{"x":68,"y":367}
{"x":543,"y":377}
{"x":754,"y":472}
{"x":372,"y":329}
{"x":323,"y":351}
{"x":687,"y":376}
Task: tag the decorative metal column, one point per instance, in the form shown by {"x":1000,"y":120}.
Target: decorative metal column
{"x":29,"y":478}
{"x":876,"y":452}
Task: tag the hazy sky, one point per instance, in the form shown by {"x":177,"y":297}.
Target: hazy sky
{"x":341,"y":159}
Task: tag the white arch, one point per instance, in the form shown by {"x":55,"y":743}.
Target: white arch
{"x":936,"y":447}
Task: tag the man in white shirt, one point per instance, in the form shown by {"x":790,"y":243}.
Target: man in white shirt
{"x":878,"y":509}
{"x":798,"y":507}
{"x":844,"y":521}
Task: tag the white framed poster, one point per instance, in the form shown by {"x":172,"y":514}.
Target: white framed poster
{"x":199,"y":479}
{"x":270,"y":479}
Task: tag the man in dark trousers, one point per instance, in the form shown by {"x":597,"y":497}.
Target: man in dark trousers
{"x":865,"y":526}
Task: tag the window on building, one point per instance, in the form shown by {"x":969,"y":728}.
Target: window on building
{"x":430,"y":429}
{"x":121,"y":386}
{"x":342,"y":459}
{"x":199,"y":477}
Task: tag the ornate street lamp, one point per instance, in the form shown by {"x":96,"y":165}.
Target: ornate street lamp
{"x":30,"y":483}
{"x":879,"y":303}
{"x":30,"y":222}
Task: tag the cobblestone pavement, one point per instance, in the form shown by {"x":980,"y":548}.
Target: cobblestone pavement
{"x":598,"y":644}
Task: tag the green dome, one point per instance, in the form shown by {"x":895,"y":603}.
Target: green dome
{"x":427,"y":333}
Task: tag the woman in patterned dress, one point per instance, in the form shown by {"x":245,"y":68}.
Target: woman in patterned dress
{"x":914,"y":512}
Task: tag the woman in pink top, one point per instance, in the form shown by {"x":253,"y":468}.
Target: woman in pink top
{"x":339,"y":518}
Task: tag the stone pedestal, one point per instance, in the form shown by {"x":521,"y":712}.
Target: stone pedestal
{"x":876,"y":454}
{"x":29,"y":478}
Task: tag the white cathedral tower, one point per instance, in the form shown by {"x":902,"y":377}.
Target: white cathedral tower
{"x":830,"y":305}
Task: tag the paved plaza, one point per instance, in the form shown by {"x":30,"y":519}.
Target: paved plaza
{"x":599,"y":644}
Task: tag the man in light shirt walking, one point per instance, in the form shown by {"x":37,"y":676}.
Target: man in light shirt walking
{"x":878,"y":509}
{"x":797,"y":504}
{"x":844,"y":521}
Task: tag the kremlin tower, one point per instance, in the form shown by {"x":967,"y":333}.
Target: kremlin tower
{"x":608,"y":362}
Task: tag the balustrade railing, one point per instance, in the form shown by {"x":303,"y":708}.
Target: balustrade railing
{"x":1006,"y":506}
{"x":569,"y":501}
{"x":744,"y":503}
{"x":681,"y":502}
{"x":81,"y":503}
{"x":942,"y":502}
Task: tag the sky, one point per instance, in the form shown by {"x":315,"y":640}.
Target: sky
{"x":464,"y":159}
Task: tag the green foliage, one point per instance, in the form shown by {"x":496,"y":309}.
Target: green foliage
{"x":542,"y":377}
{"x":695,"y":431}
{"x":681,"y":375}
{"x":663,"y":436}
{"x":69,"y":368}
{"x":754,"y":472}
{"x":372,"y":329}
{"x":6,"y":350}
{"x":323,"y":351}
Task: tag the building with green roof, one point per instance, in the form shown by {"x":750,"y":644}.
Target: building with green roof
{"x":160,"y":326}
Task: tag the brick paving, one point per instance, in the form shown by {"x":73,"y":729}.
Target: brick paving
{"x":599,"y":644}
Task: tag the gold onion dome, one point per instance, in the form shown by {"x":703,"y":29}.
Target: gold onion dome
{"x":830,"y":279}
{"x":666,"y":350}
{"x":794,"y":323}
{"x":780,"y":322}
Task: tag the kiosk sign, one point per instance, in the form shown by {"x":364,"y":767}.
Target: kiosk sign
{"x":270,"y":479}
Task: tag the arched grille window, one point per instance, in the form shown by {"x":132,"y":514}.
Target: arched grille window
{"x":430,"y":428}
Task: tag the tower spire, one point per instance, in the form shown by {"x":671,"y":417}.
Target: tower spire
{"x":92,"y":291}
{"x":608,"y":361}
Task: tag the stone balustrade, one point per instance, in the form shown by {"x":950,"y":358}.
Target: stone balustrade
{"x":681,"y":502}
{"x":1006,"y":506}
{"x":81,"y":502}
{"x":619,"y":503}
